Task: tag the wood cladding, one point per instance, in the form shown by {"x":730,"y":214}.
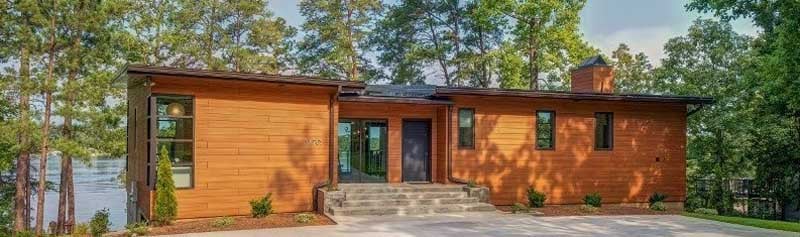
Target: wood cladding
{"x":252,"y":138}
{"x":505,"y":158}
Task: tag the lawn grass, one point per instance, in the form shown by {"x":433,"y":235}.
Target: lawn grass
{"x":766,"y":224}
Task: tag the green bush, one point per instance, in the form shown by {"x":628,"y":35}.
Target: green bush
{"x":471,"y":183}
{"x":535,"y":199}
{"x":589,"y":208}
{"x":99,"y":223}
{"x":658,"y":206}
{"x":26,"y":233}
{"x":706,"y":211}
{"x":136,"y":229}
{"x":261,"y":207}
{"x":657,"y":197}
{"x":304,"y":218}
{"x":223,"y":222}
{"x":593,"y":199}
{"x":80,"y":229}
{"x":166,"y":206}
{"x":519,"y":208}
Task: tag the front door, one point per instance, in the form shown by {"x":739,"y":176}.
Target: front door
{"x":416,"y":151}
{"x":362,"y":151}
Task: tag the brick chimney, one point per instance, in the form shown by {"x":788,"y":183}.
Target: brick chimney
{"x":593,"y":76}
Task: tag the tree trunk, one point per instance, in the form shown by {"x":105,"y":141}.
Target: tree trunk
{"x":456,"y":14}
{"x":22,"y":197}
{"x":66,"y":202}
{"x":439,"y":57}
{"x":484,"y":68}
{"x":533,"y":55}
{"x":45,"y":129}
{"x":353,"y":54}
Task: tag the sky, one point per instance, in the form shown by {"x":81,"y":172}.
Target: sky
{"x":645,"y":25}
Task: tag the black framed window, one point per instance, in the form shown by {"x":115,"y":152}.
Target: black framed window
{"x":545,"y":125}
{"x":466,"y":127}
{"x":174,"y":131}
{"x":603,"y":130}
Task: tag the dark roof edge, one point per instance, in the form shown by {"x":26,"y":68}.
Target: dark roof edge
{"x":397,"y":100}
{"x":445,"y":91}
{"x":291,"y":79}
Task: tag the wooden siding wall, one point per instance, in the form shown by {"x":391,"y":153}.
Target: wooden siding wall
{"x":506,"y":161}
{"x":136,"y":162}
{"x":252,"y":138}
{"x":394,"y":114}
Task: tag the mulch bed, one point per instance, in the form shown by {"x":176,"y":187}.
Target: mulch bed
{"x":240,"y":223}
{"x":605,"y":210}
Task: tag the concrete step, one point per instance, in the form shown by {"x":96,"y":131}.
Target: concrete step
{"x":412,"y":210}
{"x":407,"y":202}
{"x":399,"y":188}
{"x":410,"y":195}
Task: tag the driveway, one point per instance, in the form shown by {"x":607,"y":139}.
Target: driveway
{"x":497,"y":224}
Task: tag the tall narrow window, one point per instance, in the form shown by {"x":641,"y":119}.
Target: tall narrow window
{"x":175,"y":133}
{"x":545,"y":136}
{"x":466,"y":128}
{"x":603,"y":131}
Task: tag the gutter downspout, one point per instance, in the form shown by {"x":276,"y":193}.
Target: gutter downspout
{"x":450,"y":148}
{"x":331,"y":149}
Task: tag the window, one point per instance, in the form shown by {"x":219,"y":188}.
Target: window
{"x":175,"y":133}
{"x":466,"y":128}
{"x":603,"y":131}
{"x":545,"y":123}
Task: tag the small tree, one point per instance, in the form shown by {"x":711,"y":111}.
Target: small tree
{"x":166,"y":203}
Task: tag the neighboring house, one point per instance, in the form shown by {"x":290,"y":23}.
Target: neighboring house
{"x":233,"y":137}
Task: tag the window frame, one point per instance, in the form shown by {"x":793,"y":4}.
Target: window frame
{"x":472,"y":127}
{"x":552,"y":130}
{"x":610,"y":131}
{"x":155,"y":118}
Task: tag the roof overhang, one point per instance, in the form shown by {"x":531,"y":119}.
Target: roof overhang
{"x":456,"y":91}
{"x":394,"y":100}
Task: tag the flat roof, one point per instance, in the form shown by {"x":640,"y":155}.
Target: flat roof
{"x":291,"y":79}
{"x":450,"y":91}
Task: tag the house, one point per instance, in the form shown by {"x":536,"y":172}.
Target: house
{"x":232,"y":137}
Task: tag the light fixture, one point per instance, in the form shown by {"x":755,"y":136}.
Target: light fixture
{"x":175,"y":109}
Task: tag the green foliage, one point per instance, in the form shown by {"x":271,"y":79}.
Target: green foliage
{"x":706,"y":211}
{"x":658,"y":206}
{"x":586,"y":208}
{"x":519,"y":208}
{"x":24,"y":234}
{"x":656,"y":197}
{"x":261,"y":207}
{"x":471,"y":183}
{"x":593,"y":199}
{"x":535,"y":199}
{"x":304,"y":218}
{"x":99,"y":224}
{"x":166,"y":206}
{"x":766,"y":224}
{"x":223,"y":222}
{"x":632,"y":73}
{"x":81,"y":229}
{"x":137,"y":229}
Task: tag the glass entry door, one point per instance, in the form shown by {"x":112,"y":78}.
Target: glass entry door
{"x":362,"y":151}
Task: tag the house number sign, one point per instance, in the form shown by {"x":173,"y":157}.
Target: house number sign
{"x":313,"y":141}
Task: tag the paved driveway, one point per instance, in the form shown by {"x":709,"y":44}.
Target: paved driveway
{"x":496,"y":224}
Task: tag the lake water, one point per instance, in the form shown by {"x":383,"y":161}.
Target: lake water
{"x":96,"y":187}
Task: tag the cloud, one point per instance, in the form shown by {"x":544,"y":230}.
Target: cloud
{"x":649,"y":40}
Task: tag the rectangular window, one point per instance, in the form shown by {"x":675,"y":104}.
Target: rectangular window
{"x":545,"y":136}
{"x":175,"y":133}
{"x":466,"y":128}
{"x":603,"y":130}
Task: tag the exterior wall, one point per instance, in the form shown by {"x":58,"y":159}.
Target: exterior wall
{"x":252,"y":138}
{"x":505,"y":158}
{"x":136,"y":163}
{"x":394,"y":114}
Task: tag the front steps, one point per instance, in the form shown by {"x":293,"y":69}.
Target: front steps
{"x":401,"y":199}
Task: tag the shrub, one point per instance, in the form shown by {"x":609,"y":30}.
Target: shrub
{"x":519,"y":208}
{"x":658,"y":206}
{"x":261,"y":207}
{"x":706,"y":211}
{"x":589,"y":208}
{"x":80,"y":229}
{"x":99,"y":223}
{"x":471,"y":183}
{"x":535,"y":199}
{"x":657,"y":197}
{"x":136,"y":229}
{"x":25,"y":233}
{"x":223,"y":222}
{"x":166,"y":203}
{"x":593,"y":199}
{"x":304,"y":218}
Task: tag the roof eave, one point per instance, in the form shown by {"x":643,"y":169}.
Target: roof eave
{"x":575,"y":96}
{"x":140,"y":70}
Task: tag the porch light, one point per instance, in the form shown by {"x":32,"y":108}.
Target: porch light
{"x":175,"y":109}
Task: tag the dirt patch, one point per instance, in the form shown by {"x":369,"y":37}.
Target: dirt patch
{"x":240,"y":223}
{"x":606,"y":210}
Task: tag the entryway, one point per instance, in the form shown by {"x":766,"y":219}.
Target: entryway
{"x":416,"y":151}
{"x":362,"y":151}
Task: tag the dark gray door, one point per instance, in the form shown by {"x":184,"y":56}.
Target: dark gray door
{"x":416,"y":151}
